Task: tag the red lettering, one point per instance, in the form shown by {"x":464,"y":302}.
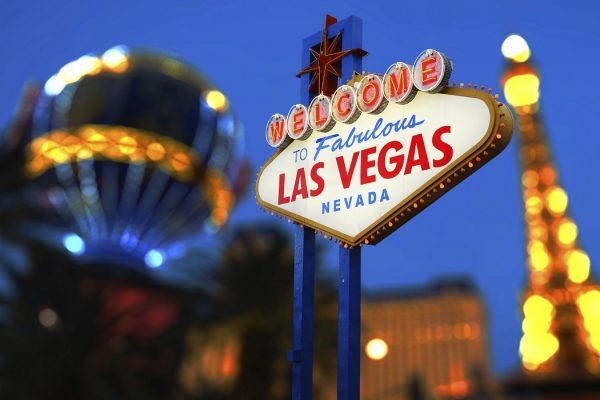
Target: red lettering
{"x":318,"y":179}
{"x":399,"y":85}
{"x":397,"y":161}
{"x":282,"y":199}
{"x":276,"y":131}
{"x":366,"y":164}
{"x":429,"y":73}
{"x":343,"y":104}
{"x":442,"y":146}
{"x":319,"y":118}
{"x":300,"y":185}
{"x":370,"y":88}
{"x":417,"y":155}
{"x":298,"y":119}
{"x":346,"y":173}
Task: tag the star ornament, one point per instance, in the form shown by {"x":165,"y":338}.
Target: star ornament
{"x":326,"y":66}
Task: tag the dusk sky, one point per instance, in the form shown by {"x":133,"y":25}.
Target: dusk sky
{"x":251,"y":50}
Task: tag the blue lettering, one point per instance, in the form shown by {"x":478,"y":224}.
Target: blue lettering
{"x":321,"y":145}
{"x":384,"y":196}
{"x":363,"y":136}
{"x":372,"y":134}
{"x":412,"y":123}
{"x":387,"y":129}
{"x":348,"y":201}
{"x":337,"y":145}
{"x":349,"y":142}
{"x":372,"y":197}
{"x":359,"y":201}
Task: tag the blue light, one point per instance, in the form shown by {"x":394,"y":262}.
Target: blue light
{"x":154,"y":258}
{"x":74,"y":244}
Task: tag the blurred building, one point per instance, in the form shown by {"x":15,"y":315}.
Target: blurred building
{"x":109,"y":174}
{"x":431,"y":339}
{"x":135,"y":154}
{"x":560,"y":346}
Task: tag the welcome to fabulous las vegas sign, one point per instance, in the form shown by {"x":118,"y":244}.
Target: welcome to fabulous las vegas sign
{"x":359,"y":164}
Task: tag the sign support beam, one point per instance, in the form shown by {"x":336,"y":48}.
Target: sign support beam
{"x":349,"y":324}
{"x":301,"y":355}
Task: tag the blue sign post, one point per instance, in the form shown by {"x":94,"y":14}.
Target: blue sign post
{"x":301,"y":355}
{"x":337,"y":48}
{"x":348,"y":384}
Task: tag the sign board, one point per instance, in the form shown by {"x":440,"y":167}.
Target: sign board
{"x":359,"y":164}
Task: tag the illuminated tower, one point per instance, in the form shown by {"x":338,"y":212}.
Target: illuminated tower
{"x":561,"y":304}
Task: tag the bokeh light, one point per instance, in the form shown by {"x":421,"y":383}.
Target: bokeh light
{"x":74,"y":244}
{"x":154,"y":258}
{"x":376,"y":349}
{"x":515,"y":48}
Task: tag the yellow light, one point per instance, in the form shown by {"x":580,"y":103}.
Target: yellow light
{"x":116,"y":59}
{"x":522,"y":90}
{"x":180,"y":161}
{"x":589,"y":304}
{"x":376,"y":349}
{"x":85,"y":65}
{"x":47,"y":146}
{"x":539,"y":258}
{"x":54,"y":151}
{"x":71,"y":72}
{"x":536,"y":349}
{"x":533,"y":205}
{"x":85,"y":154}
{"x":532,"y":326}
{"x":578,"y":266}
{"x":566,"y":232}
{"x":155,"y":151}
{"x":54,"y":85}
{"x":537,"y":306}
{"x":537,"y":230}
{"x":36,"y":166}
{"x":548,"y":175}
{"x":530,"y":179}
{"x":114,"y":143}
{"x":216,"y":100}
{"x":97,"y":142}
{"x":595,"y":341}
{"x":127,"y":145}
{"x":71,"y":144}
{"x":90,"y":65}
{"x":556,"y":200}
{"x":515,"y":48}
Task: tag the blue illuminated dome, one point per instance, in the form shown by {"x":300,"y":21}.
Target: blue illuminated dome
{"x":137,"y":153}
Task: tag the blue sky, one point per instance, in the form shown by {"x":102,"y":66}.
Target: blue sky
{"x":252,"y":51}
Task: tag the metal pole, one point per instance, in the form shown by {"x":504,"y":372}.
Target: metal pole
{"x":301,"y":355}
{"x":349,"y":325}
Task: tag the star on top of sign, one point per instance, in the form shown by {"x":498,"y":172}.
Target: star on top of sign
{"x":326,"y":64}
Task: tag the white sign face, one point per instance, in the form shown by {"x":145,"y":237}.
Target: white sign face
{"x":354,"y":178}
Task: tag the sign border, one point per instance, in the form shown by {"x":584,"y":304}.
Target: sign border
{"x":494,"y":141}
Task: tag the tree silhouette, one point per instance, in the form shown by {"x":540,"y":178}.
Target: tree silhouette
{"x":254,"y":304}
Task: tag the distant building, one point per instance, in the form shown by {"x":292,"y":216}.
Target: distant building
{"x":430,"y":339}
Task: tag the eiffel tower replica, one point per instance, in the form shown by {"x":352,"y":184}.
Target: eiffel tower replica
{"x":560,"y":346}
